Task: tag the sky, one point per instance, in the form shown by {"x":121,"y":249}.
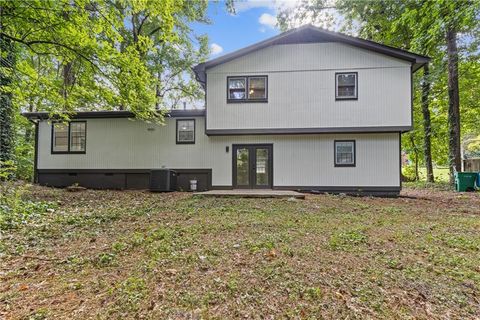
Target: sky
{"x":254,"y":21}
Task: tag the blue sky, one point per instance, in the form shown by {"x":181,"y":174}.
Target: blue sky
{"x":254,"y":22}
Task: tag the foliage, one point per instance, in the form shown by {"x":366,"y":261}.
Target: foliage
{"x":7,"y":170}
{"x":24,"y":148}
{"x":128,"y":55}
{"x":345,"y":240}
{"x":409,"y":173}
{"x":16,"y":211}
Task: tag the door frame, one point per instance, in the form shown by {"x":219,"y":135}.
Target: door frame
{"x":251,"y":177}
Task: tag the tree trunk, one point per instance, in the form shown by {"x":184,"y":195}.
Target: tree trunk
{"x":415,"y":152}
{"x":68,"y":80}
{"x":7,"y":61}
{"x":427,"y":124}
{"x":67,"y":74}
{"x":453,"y":104}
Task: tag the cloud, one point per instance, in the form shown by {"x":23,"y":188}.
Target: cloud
{"x":268,"y":20}
{"x":246,"y":5}
{"x":215,"y":49}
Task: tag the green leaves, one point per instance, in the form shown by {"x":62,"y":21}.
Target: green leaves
{"x":102,"y":55}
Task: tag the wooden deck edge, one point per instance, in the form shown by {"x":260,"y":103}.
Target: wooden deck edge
{"x":264,"y":196}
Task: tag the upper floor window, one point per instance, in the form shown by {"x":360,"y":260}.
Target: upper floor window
{"x":69,"y":137}
{"x":346,"y":86}
{"x":185,"y":131}
{"x":247,"y":89}
{"x":344,"y":153}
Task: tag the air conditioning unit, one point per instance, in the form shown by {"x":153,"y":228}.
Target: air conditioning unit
{"x":163,"y":180}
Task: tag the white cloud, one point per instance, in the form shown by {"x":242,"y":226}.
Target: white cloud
{"x":246,"y":5}
{"x":215,"y":49}
{"x":268,"y":20}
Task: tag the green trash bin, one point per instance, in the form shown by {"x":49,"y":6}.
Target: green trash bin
{"x":465,"y":181}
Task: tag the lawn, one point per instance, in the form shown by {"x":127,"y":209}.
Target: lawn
{"x":123,"y":255}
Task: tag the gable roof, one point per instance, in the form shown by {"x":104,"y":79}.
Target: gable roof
{"x":312,"y":34}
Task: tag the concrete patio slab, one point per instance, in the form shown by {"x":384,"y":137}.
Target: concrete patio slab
{"x":252,"y":193}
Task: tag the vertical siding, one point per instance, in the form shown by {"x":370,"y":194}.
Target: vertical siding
{"x":299,"y":160}
{"x":301,"y":89}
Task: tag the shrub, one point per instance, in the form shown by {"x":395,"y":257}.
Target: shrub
{"x":408,"y":173}
{"x":15,"y":210}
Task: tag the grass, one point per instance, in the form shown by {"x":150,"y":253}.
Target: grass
{"x":441,"y":175}
{"x":110,"y":254}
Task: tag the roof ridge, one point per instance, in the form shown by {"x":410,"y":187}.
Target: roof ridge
{"x":417,"y":60}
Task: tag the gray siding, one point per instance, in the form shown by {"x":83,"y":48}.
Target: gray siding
{"x":299,"y":160}
{"x":301,"y":89}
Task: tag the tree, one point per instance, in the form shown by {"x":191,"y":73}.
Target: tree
{"x":111,"y":63}
{"x":6,"y":109}
{"x":427,"y":123}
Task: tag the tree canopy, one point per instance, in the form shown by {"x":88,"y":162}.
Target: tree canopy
{"x":75,"y":55}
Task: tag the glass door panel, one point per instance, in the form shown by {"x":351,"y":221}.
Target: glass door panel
{"x":243,"y":171}
{"x":262,"y":169}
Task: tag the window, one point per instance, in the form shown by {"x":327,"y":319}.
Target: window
{"x":185,"y":131}
{"x":247,"y":89}
{"x":344,"y":153}
{"x":69,"y":137}
{"x":257,"y":88}
{"x":236,"y":88}
{"x":60,"y":137}
{"x":77,"y":136}
{"x":346,"y":86}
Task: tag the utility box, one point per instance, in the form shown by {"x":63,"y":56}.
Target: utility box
{"x":465,"y":181}
{"x":163,"y":180}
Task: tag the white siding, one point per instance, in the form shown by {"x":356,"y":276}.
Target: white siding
{"x":301,"y":89}
{"x":299,"y":160}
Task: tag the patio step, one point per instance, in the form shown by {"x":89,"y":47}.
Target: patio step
{"x":252,"y":193}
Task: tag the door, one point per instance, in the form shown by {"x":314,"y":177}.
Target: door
{"x":253,"y":166}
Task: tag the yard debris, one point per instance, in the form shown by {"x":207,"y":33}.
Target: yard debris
{"x":171,"y":272}
{"x":272,"y":253}
{"x":75,"y":188}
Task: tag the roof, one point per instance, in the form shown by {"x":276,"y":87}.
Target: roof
{"x":312,"y":34}
{"x":113,"y":114}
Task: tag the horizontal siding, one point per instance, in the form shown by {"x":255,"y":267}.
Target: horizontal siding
{"x":301,"y":89}
{"x":308,"y":56}
{"x":307,"y":100}
{"x":299,"y":160}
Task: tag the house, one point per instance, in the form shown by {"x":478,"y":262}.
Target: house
{"x":308,"y":109}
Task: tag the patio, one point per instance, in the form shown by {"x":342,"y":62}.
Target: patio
{"x":253,"y":193}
